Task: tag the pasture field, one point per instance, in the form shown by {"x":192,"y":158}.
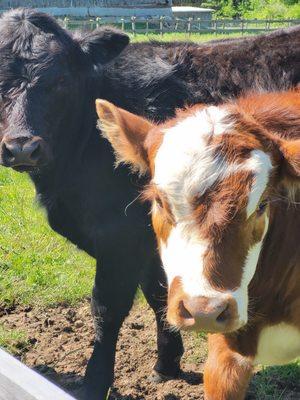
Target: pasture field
{"x":44,"y":286}
{"x":181,"y":37}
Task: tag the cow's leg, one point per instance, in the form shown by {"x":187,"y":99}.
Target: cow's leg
{"x":169,"y":343}
{"x":115,"y":286}
{"x":227,"y":372}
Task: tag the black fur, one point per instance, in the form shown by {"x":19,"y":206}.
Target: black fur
{"x":49,"y":80}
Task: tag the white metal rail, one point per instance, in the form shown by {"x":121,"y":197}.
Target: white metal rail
{"x":18,"y":382}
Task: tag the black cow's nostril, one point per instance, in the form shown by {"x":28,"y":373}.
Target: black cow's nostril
{"x":6,"y":153}
{"x":36,"y":152}
{"x":22,"y":152}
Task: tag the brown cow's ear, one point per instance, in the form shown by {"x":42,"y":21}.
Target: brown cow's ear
{"x":290,"y":149}
{"x":126,"y":132}
{"x":103,"y":44}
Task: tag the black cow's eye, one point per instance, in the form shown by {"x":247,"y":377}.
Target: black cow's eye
{"x":61,"y":81}
{"x":262,"y":207}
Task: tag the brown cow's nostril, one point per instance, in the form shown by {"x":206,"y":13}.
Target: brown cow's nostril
{"x":224,"y":316}
{"x":203,"y":313}
{"x":183,"y":312}
{"x":186,"y":318}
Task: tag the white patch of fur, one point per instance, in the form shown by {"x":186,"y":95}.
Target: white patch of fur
{"x":216,"y":116}
{"x":260,"y":163}
{"x":241,"y":294}
{"x":185,"y":164}
{"x":183,"y":257}
{"x":278,"y":344}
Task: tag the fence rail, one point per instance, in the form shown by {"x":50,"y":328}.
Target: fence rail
{"x":163,"y":25}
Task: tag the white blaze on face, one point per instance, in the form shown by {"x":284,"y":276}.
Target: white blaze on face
{"x":185,"y":166}
{"x":183,"y":256}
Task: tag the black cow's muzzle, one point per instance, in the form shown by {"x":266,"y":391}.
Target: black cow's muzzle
{"x":23,"y":153}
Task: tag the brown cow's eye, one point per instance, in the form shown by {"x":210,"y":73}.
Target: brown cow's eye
{"x":159,"y":202}
{"x":262,"y":207}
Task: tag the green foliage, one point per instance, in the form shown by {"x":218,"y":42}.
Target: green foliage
{"x":260,"y":9}
{"x":293,"y":12}
{"x":272,"y":9}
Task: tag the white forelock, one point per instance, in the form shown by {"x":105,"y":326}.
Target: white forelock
{"x":185,"y":165}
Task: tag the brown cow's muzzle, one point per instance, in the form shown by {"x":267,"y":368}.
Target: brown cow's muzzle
{"x":209,"y":314}
{"x":23,"y":153}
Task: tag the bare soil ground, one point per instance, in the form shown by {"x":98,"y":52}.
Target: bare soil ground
{"x":60,"y":342}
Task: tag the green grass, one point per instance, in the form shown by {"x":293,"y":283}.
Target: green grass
{"x":37,"y":266}
{"x":168,"y":37}
{"x":276,"y":382}
{"x":13,"y":341}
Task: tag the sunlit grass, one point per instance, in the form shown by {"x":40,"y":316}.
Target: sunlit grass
{"x":37,"y":266}
{"x":277,"y":382}
{"x":12,"y":340}
{"x":168,"y":37}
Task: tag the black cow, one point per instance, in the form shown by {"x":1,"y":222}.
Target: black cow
{"x":49,"y":81}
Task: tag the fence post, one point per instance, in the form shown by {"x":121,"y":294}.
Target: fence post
{"x":147,"y":26}
{"x":242,"y":21}
{"x":189,"y":25}
{"x":66,"y":22}
{"x":98,"y":22}
{"x":161,"y":25}
{"x":199,"y":23}
{"x":133,"y":25}
{"x":123,"y":24}
{"x":176,"y":24}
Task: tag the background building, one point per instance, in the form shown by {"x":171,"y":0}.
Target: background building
{"x":105,"y":8}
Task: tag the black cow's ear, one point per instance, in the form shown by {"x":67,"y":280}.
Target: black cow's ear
{"x":103,"y":44}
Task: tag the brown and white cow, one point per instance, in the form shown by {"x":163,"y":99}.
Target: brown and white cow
{"x":226,"y":211}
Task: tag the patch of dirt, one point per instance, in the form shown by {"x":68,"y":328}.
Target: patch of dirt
{"x":61,"y":341}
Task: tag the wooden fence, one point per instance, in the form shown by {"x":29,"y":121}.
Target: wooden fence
{"x":163,"y":25}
